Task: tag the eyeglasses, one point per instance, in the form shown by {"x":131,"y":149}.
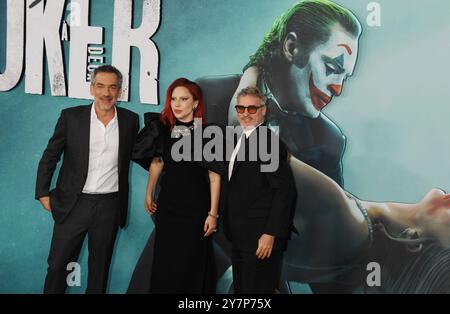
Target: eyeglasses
{"x":250,"y":109}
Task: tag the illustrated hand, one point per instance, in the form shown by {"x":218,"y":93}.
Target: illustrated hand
{"x":265,"y":245}
{"x":150,"y":206}
{"x":210,"y":225}
{"x":433,"y":216}
{"x":45,"y":202}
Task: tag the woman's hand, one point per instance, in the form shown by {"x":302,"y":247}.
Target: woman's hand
{"x":154,"y":171}
{"x":433,"y":216}
{"x":210,"y":225}
{"x":150,"y":206}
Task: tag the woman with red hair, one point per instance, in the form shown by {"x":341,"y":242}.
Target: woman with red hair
{"x":192,"y":99}
{"x":186,"y":211}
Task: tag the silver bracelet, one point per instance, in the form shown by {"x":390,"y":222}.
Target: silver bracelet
{"x":212,"y":215}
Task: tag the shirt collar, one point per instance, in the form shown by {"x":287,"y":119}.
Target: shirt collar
{"x":94,"y":114}
{"x":250,"y":131}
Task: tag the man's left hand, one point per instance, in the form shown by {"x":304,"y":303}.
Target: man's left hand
{"x":265,"y":245}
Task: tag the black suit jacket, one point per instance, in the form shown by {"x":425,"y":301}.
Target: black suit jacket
{"x":71,"y":138}
{"x":259,"y":202}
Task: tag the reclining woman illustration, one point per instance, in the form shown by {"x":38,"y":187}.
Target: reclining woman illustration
{"x":336,"y":235}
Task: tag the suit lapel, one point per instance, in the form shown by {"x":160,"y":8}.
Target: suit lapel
{"x":237,"y":162}
{"x":235,"y":167}
{"x":245,"y":142}
{"x":85,"y":129}
{"x":122,"y":140}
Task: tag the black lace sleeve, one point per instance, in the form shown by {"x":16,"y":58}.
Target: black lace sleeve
{"x":149,"y":140}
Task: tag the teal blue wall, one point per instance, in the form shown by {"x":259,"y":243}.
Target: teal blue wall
{"x":394,"y":111}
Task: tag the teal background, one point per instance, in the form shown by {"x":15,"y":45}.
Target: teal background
{"x":394,"y":112}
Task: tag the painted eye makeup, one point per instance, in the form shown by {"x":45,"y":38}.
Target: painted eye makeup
{"x":333,"y":65}
{"x":329,"y":69}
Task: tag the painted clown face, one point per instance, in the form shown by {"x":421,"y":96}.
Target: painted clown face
{"x":329,"y":64}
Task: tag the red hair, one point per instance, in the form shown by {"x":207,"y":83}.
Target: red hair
{"x":167,"y":116}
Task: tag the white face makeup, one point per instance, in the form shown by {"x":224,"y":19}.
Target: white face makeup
{"x":329,"y":64}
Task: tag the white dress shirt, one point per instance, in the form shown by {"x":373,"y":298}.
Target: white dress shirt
{"x":103,"y":174}
{"x":236,"y":149}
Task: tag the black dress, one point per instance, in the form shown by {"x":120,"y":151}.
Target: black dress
{"x":183,"y":259}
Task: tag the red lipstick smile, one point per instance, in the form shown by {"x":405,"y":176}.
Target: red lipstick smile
{"x":318,"y":98}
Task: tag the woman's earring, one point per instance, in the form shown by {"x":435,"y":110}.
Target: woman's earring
{"x":193,"y":109}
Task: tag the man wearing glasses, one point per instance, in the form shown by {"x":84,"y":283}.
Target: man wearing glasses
{"x":259,"y":205}
{"x":301,"y":65}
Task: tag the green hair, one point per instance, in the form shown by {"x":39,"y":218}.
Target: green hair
{"x":311,"y":21}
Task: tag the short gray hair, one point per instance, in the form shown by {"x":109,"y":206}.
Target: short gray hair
{"x":107,"y":69}
{"x":252,"y":91}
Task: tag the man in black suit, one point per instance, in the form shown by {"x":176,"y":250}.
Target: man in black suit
{"x":91,"y":194}
{"x":300,"y":66}
{"x":259,"y":202}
